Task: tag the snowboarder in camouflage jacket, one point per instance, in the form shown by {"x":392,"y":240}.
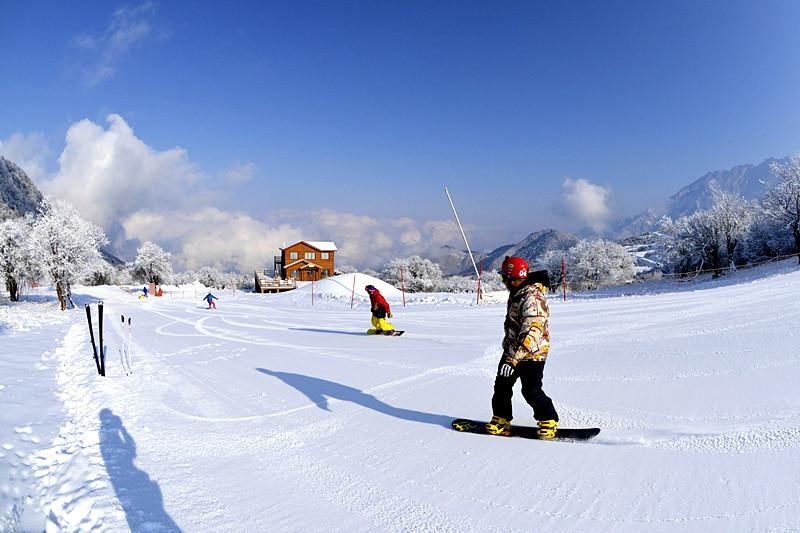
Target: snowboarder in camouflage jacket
{"x":525,"y":347}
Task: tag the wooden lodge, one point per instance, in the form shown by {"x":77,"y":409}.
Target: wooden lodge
{"x":301,"y":261}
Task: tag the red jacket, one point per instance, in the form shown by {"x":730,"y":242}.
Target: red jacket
{"x":378,"y":305}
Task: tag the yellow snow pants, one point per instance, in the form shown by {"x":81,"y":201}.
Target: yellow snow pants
{"x":379,"y":324}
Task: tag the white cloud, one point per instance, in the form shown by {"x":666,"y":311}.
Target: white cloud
{"x":368,"y":241}
{"x":108,"y":174}
{"x":28,"y":152}
{"x":137,"y":194}
{"x":130,"y":25}
{"x":211,"y":237}
{"x":587,"y":202}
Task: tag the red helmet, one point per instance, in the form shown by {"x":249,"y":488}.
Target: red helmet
{"x":515,"y":267}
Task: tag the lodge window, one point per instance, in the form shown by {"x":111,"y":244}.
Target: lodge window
{"x":292,"y":255}
{"x":324,"y":255}
{"x":311,"y":255}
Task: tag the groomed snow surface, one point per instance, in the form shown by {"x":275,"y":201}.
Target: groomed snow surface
{"x":273,"y":414}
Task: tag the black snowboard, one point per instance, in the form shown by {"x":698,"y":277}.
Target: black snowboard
{"x":390,"y":333}
{"x":472,"y":426}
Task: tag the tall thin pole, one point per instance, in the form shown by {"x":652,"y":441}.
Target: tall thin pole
{"x":469,"y":250}
{"x":403,"y":287}
{"x":478,"y":299}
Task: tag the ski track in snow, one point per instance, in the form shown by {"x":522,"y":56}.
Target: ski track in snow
{"x":334,"y":442}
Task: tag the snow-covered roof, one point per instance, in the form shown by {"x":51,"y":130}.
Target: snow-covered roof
{"x":322,"y":246}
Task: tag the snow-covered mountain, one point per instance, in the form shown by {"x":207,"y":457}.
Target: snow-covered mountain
{"x":455,"y":261}
{"x":749,"y":181}
{"x":636,"y":232}
{"x":18,"y":194}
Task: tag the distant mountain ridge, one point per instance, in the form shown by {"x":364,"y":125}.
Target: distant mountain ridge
{"x":749,"y":181}
{"x":456,"y":261}
{"x":18,"y":194}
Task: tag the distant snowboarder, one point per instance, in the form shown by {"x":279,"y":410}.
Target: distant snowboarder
{"x":210,"y":299}
{"x":380,"y":311}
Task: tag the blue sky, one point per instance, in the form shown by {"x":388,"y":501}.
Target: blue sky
{"x":534,"y":114}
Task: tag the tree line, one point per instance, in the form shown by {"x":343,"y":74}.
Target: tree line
{"x":55,"y":243}
{"x":733,"y":232}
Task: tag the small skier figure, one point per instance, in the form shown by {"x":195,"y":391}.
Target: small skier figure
{"x":210,"y":299}
{"x":525,"y":347}
{"x":144,"y":291}
{"x":380,"y":311}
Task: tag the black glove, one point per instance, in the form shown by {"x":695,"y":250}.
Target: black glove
{"x":505,"y":370}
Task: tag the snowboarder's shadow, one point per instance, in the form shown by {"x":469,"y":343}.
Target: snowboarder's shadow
{"x":139,"y":496}
{"x":340,"y":332}
{"x":320,"y":390}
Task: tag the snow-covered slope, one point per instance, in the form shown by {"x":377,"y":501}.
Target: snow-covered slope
{"x":273,"y":414}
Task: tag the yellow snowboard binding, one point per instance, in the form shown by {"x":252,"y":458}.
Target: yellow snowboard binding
{"x":498,"y":426}
{"x":547,"y":429}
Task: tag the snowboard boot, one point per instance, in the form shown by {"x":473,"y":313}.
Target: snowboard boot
{"x":498,"y":426}
{"x":547,"y":429}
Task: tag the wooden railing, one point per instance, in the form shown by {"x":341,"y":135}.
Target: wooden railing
{"x":267,"y":284}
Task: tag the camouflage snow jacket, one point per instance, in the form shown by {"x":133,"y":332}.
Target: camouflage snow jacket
{"x":527,"y":334}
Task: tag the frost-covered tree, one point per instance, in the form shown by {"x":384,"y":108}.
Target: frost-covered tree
{"x":766,"y":239}
{"x":152,"y":264}
{"x":552,"y":261}
{"x":184,"y":278}
{"x":210,"y":277}
{"x":596,"y":263}
{"x":64,"y":245}
{"x":15,"y":267}
{"x":781,"y":202}
{"x":733,"y":217}
{"x":418,"y":274}
{"x":693,"y":241}
{"x":705,"y":238}
{"x":101,"y":273}
{"x":346,"y":269}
